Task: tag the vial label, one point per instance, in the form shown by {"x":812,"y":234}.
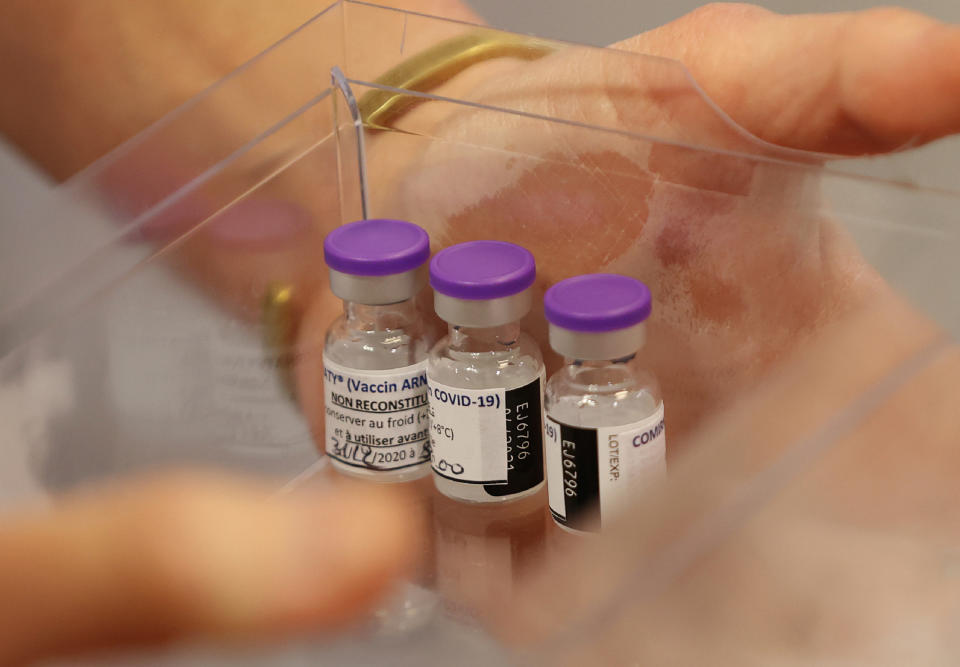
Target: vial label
{"x":492,"y":437}
{"x":592,"y":472}
{"x":377,"y":419}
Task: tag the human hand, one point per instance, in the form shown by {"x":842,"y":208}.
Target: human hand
{"x":183,"y":557}
{"x":749,"y":273}
{"x":813,"y":523}
{"x":744,"y":262}
{"x":708,"y":232}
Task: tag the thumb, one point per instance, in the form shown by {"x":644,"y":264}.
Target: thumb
{"x":852,"y":83}
{"x":195,"y":556}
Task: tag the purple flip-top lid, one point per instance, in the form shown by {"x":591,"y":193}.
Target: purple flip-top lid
{"x":378,"y":247}
{"x":479,"y":270}
{"x":597,"y":302}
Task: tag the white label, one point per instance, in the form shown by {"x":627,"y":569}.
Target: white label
{"x":488,"y":436}
{"x":630,"y":458}
{"x":469,"y":433}
{"x":593,"y":472}
{"x":377,"y":419}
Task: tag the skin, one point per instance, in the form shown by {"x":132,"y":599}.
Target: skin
{"x":862,"y":83}
{"x":145,"y":568}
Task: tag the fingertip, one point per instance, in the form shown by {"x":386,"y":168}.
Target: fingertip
{"x":846,"y":83}
{"x":224,"y":558}
{"x":899,"y":77}
{"x":191,"y":556}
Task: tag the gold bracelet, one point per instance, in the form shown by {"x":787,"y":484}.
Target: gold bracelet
{"x":435,"y":66}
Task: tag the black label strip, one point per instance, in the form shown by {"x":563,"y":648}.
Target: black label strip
{"x":581,"y":477}
{"x":524,"y":426}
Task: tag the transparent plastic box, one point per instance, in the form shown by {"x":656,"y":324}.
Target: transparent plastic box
{"x":175,"y":318}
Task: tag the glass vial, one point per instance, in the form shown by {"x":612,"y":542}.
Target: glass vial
{"x":604,"y":428}
{"x":486,"y":376}
{"x":374,"y":357}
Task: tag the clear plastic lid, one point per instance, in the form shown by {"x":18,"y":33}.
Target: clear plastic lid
{"x":804,"y":336}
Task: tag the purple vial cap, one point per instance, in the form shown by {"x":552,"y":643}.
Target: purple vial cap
{"x":480,"y":270}
{"x":597,"y":302}
{"x":378,"y":247}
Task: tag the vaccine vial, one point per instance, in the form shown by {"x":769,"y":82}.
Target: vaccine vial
{"x":486,"y":376}
{"x":375,"y":353}
{"x":604,"y":427}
